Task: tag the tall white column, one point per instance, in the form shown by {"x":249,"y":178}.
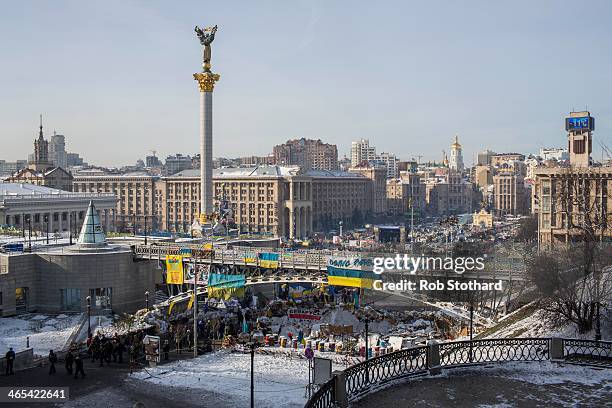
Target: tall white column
{"x":206,"y":81}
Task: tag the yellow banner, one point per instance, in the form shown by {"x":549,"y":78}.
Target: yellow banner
{"x":268,"y":264}
{"x":191,"y":301}
{"x":174,"y":269}
{"x":354,"y":282}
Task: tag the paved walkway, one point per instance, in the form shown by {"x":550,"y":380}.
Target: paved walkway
{"x":107,"y":381}
{"x":489,"y":386}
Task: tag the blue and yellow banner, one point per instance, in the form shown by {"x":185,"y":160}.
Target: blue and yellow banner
{"x":174,"y":269}
{"x":268,"y":260}
{"x":225,"y":286}
{"x":249,"y":257}
{"x":350,"y":277}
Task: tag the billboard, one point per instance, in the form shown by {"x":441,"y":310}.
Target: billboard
{"x":202,"y":273}
{"x":152,"y":348}
{"x":579,"y":123}
{"x":174,"y":269}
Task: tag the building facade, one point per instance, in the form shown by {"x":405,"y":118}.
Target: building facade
{"x":306,"y":153}
{"x":361,"y":152}
{"x":378,"y":192}
{"x":282,"y":201}
{"x":57,"y":151}
{"x":44,"y":209}
{"x":52,"y":177}
{"x":406,"y":194}
{"x":135,"y":195}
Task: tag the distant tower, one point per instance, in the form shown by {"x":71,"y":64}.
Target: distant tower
{"x":41,"y":152}
{"x":456,"y":158}
{"x":57,"y":151}
{"x":580,"y":126}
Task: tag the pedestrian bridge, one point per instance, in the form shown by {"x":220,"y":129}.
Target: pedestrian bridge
{"x":311,"y":265}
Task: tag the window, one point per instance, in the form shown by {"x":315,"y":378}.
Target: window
{"x":101,"y":298}
{"x":71,"y":299}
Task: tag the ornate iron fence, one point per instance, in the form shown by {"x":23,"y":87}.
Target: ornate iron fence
{"x":363,"y":377}
{"x":324,"y":397}
{"x":588,"y":351}
{"x":461,"y":353}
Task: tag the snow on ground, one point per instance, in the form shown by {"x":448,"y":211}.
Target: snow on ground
{"x":279,"y":381}
{"x":546,"y":372}
{"x":45,"y":332}
{"x":536,"y":325}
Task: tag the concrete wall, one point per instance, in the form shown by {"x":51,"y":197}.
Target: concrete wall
{"x":45,"y":274}
{"x":23,"y":360}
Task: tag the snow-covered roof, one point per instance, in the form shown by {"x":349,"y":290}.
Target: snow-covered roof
{"x":13,"y":189}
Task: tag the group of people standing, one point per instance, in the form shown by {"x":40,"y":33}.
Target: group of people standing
{"x":72,"y":358}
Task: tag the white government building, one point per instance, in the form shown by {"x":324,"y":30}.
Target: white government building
{"x":25,"y":204}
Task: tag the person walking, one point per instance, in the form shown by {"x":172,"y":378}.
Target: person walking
{"x":166,"y":349}
{"x":120,"y":350}
{"x":68,"y":362}
{"x":10,"y":358}
{"x":78,"y":362}
{"x":52,"y":361}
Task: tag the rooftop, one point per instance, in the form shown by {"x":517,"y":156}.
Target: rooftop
{"x":265,"y":171}
{"x":13,"y":189}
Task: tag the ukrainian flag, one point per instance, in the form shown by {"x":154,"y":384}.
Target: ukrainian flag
{"x":350,"y":277}
{"x":268,"y":260}
{"x":225,"y":286}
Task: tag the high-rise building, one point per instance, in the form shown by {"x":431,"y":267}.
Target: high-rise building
{"x":57,"y":151}
{"x":177,"y":163}
{"x":74,"y":160}
{"x":12,"y":167}
{"x":456,"y":157}
{"x":307,"y":153}
{"x":152,"y":161}
{"x":484,"y":157}
{"x":573,"y":202}
{"x":390,"y":162}
{"x":361,"y":151}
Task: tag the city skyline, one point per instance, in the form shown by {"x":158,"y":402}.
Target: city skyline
{"x":132,"y":84}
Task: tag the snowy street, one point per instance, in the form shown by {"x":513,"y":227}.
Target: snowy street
{"x":279,"y":381}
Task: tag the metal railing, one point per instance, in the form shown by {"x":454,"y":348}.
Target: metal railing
{"x":368,"y":376}
{"x":588,"y":352}
{"x":461,"y":353}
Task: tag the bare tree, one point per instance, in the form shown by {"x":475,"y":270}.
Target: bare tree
{"x":575,"y":280}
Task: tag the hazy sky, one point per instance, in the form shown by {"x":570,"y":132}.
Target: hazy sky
{"x":115,"y":77}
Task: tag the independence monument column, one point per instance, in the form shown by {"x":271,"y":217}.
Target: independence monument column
{"x":206,"y":80}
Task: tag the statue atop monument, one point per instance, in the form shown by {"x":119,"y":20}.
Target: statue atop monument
{"x":206,"y":36}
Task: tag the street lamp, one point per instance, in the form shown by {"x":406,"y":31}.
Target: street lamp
{"x":252,"y":346}
{"x":145,"y":231}
{"x":70,"y":226}
{"x":47,"y":227}
{"x":340,"y":224}
{"x":88,"y":316}
{"x":147,"y":299}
